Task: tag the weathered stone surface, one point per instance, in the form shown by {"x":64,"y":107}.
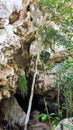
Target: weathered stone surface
{"x":14,"y":44}
{"x":16,"y":50}
{"x":35,"y":124}
{"x":12,"y":112}
{"x":39,"y":126}
{"x":7,"y":8}
{"x":9,"y":43}
{"x":65,"y":124}
{"x":46,"y":79}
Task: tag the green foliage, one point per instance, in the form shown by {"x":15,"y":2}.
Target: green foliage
{"x":22,"y":83}
{"x":65,"y":72}
{"x":45,"y":117}
{"x":60,"y":14}
{"x":54,"y":120}
{"x":65,"y":83}
{"x":57,"y":29}
{"x":52,"y":37}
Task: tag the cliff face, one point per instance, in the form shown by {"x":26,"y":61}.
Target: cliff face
{"x":20,"y":41}
{"x":19,"y":44}
{"x":16,"y":35}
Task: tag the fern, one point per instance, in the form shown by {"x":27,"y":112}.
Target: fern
{"x":22,"y":84}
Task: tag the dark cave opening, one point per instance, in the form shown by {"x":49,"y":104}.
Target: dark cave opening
{"x":38,"y":100}
{"x":38,"y":104}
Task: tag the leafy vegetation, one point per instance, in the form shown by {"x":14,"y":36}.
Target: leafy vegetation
{"x":57,"y":29}
{"x":22,"y":83}
{"x":65,"y":83}
{"x":44,"y":117}
{"x":51,"y":118}
{"x":59,"y":22}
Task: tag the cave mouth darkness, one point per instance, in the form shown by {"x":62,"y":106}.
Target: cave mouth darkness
{"x":38,"y":101}
{"x":38,"y":104}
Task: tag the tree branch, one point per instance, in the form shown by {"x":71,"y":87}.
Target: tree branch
{"x":31,"y":98}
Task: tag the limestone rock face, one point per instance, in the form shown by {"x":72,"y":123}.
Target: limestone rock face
{"x":8,"y":43}
{"x":65,"y":124}
{"x":7,"y":39}
{"x":12,"y":112}
{"x":45,"y":82}
{"x":9,"y":6}
{"x":16,"y":35}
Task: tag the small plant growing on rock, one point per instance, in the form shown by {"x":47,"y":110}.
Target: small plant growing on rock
{"x":47,"y":117}
{"x":44,"y":117}
{"x":22,"y":83}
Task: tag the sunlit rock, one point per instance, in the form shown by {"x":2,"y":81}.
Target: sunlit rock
{"x":7,"y":40}
{"x":45,"y":81}
{"x":34,"y":49}
{"x":9,"y":43}
{"x":9,"y":6}
{"x":66,"y":124}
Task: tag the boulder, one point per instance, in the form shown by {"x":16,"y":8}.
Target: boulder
{"x":11,"y":112}
{"x":35,"y":124}
{"x":39,"y":126}
{"x":66,"y":124}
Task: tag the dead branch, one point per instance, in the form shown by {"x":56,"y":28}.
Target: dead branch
{"x":31,"y":98}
